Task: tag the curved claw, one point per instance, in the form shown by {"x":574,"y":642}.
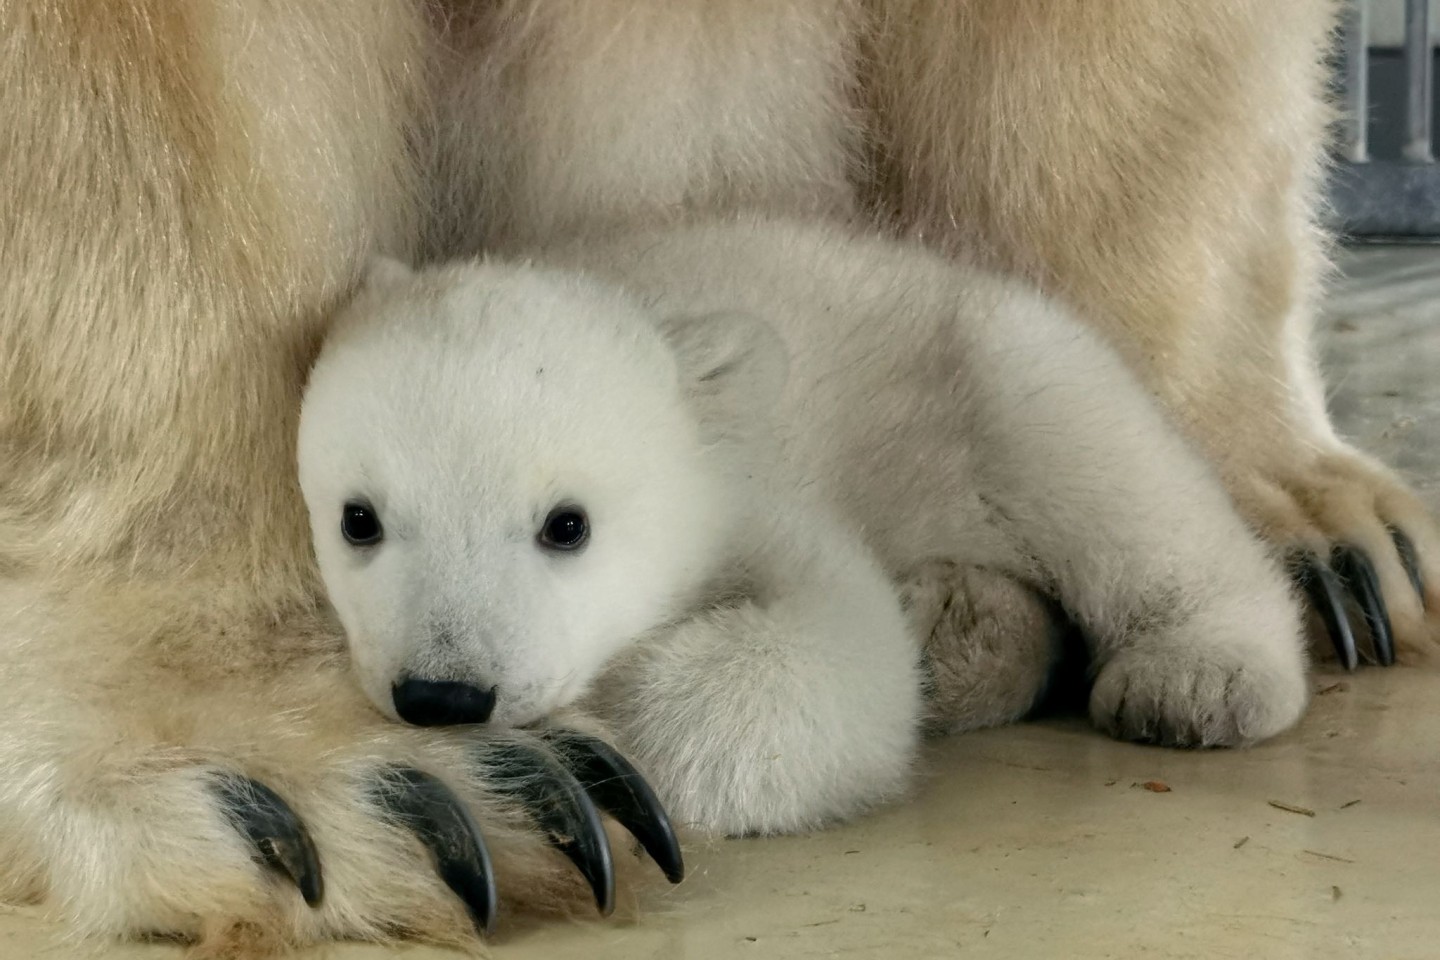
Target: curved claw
{"x":1405,"y":547}
{"x":279,"y":837}
{"x":560,"y":805}
{"x":440,"y":820}
{"x":1324,"y":587}
{"x":620,"y":791}
{"x":1358,"y":574}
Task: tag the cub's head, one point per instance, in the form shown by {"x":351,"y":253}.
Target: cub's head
{"x":512,"y":473}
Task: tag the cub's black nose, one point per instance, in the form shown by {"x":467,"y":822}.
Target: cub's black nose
{"x":441,"y":703}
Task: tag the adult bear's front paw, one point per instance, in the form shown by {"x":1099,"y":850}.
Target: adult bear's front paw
{"x":562,"y":780}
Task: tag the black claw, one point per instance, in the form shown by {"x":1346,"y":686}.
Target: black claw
{"x":1324,"y":588}
{"x":440,"y":820}
{"x":279,"y":837}
{"x":620,"y":791}
{"x":1358,"y":573}
{"x":561,"y":807}
{"x":1405,"y":547}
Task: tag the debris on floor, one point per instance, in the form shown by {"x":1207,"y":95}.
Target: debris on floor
{"x":1328,"y":856}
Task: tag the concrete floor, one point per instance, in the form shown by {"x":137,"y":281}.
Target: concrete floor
{"x":1042,"y":840}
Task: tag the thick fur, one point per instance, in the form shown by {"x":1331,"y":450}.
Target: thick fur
{"x":579,"y":116}
{"x":176,"y":224}
{"x":1155,"y":164}
{"x":930,"y":415}
{"x":191,"y":187}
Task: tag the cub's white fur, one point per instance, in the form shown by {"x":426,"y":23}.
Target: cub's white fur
{"x":464,"y":446}
{"x":771,"y":427}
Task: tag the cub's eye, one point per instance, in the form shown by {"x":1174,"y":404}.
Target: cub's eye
{"x":360,"y":524}
{"x":565,"y":529}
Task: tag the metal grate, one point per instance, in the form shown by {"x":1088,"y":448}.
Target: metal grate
{"x":1387,"y":185}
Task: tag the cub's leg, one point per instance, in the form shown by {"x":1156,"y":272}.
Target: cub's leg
{"x":1193,"y":631}
{"x":794,"y":705}
{"x":1158,"y":165}
{"x":991,"y":645}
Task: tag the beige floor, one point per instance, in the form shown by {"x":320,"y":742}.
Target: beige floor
{"x":1041,"y":841}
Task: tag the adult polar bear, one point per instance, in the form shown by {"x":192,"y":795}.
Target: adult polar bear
{"x":190,"y":187}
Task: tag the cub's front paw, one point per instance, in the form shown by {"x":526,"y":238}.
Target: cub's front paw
{"x":1197,"y":697}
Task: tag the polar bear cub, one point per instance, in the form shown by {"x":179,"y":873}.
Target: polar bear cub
{"x":682,"y":478}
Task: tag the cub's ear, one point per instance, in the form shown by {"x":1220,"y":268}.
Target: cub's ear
{"x":382,"y":271}
{"x":732,"y":366}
